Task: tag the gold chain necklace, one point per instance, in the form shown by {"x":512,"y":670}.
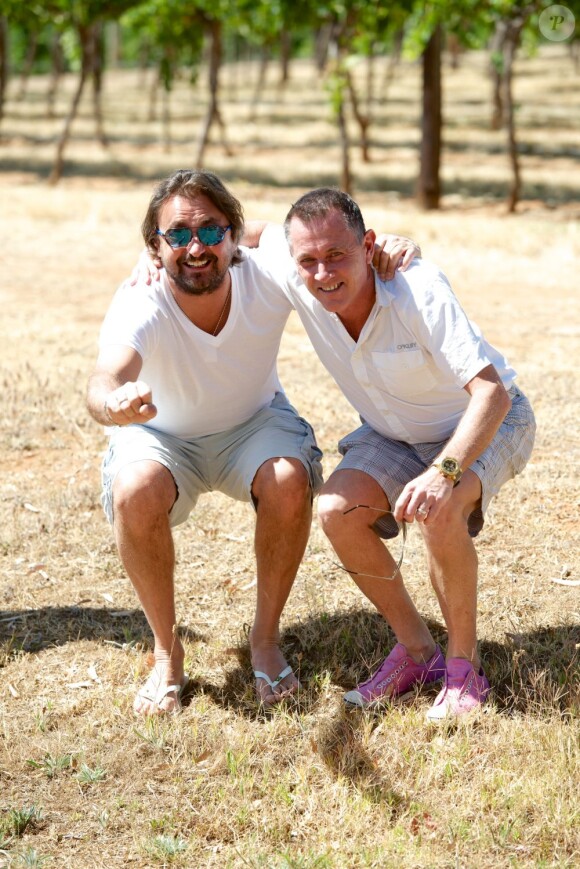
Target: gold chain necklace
{"x":218,"y":324}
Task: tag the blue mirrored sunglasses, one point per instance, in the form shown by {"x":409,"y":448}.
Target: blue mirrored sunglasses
{"x":207,"y":235}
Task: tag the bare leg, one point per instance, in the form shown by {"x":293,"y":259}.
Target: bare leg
{"x":144,"y":493}
{"x":284,"y":512}
{"x":360,"y":548}
{"x":453,"y":568}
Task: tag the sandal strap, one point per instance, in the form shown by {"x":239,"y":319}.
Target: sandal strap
{"x":159,"y":696}
{"x":273,"y":683}
{"x":170,"y":688}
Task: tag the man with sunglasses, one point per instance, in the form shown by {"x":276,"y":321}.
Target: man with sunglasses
{"x":443,"y":428}
{"x":186,"y":380}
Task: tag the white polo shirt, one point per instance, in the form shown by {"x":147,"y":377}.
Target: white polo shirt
{"x":201,"y":383}
{"x":405,"y":374}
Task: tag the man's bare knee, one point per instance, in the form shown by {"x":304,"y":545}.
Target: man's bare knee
{"x":339,"y":498}
{"x":331,"y":507}
{"x":337,"y":519}
{"x":449,"y":526}
{"x":143,"y":489}
{"x":281,"y":482}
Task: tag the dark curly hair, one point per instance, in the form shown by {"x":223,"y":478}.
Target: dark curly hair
{"x":191,"y":183}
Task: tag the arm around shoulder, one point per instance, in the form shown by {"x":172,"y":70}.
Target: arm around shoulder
{"x":253,"y":230}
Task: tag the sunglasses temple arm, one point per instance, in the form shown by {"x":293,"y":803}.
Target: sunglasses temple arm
{"x":372,"y":575}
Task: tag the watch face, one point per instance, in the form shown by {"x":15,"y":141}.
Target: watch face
{"x":450,"y":466}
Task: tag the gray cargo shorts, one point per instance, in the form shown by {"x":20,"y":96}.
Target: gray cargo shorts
{"x":226,"y":462}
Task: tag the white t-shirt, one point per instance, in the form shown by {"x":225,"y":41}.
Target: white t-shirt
{"x":203,"y":384}
{"x":405,"y":374}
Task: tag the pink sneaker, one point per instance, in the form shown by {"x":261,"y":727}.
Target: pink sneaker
{"x":464,"y":690}
{"x":395,"y":678}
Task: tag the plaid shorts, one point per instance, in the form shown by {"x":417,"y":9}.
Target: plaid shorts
{"x":395,"y":463}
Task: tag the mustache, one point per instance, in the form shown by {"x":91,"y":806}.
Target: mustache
{"x":191,"y":260}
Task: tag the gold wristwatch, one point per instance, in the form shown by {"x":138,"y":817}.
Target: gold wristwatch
{"x":450,"y":468}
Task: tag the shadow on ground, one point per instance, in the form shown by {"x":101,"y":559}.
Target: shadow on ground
{"x":33,"y":630}
{"x":386,"y":180}
{"x":530,"y":672}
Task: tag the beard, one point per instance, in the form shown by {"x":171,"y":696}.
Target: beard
{"x":197,"y":284}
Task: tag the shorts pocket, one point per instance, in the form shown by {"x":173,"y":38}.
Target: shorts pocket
{"x":362,"y":435}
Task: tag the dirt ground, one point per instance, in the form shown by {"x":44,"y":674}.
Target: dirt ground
{"x":70,"y":631}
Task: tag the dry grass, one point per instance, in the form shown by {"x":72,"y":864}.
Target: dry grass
{"x":82,"y":783}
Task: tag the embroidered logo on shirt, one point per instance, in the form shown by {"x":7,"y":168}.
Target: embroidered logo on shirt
{"x":412,"y":346}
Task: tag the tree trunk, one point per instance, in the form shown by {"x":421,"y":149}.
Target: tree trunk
{"x":153,"y":94}
{"x":371,"y":77}
{"x":362,"y":120}
{"x":496,"y":63}
{"x":213,"y":112}
{"x":87,"y":37}
{"x":57,"y":168}
{"x":232,"y":70}
{"x":285,"y":56}
{"x":166,"y":118}
{"x":324,"y":37}
{"x":497,"y":107}
{"x":3,"y":62}
{"x":345,"y":175}
{"x":95,"y":64}
{"x":28,"y":64}
{"x":429,"y":189}
{"x":505,"y":44}
{"x":454,"y":49}
{"x":512,"y":39}
{"x":56,"y":70}
{"x":143,"y":64}
{"x":260,"y":81}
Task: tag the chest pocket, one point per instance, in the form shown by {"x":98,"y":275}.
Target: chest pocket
{"x":404,"y":373}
